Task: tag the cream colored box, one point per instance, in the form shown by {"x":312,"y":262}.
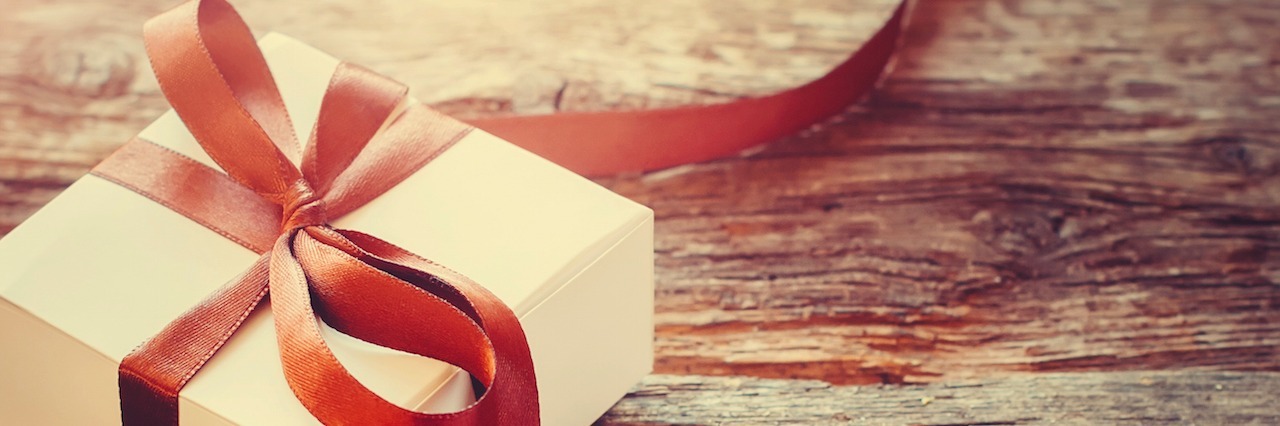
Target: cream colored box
{"x":100,"y":269}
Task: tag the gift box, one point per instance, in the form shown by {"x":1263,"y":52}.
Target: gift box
{"x":101,"y":269}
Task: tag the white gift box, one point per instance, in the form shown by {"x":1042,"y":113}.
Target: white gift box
{"x":100,"y":269}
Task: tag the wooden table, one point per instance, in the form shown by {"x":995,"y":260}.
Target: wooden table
{"x":1050,"y":212}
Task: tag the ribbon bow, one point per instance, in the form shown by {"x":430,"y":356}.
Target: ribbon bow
{"x":212,"y":72}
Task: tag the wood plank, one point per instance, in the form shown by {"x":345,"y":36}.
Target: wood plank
{"x":1040,"y":186}
{"x":1124,"y":398}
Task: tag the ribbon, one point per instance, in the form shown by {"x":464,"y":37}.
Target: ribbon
{"x":211,"y":71}
{"x":604,"y":143}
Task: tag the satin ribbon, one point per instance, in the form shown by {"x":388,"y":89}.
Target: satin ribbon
{"x":212,"y":73}
{"x":604,"y":143}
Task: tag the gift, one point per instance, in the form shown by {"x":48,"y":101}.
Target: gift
{"x":142,"y":250}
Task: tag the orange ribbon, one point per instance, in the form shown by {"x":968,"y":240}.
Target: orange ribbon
{"x":210,"y":69}
{"x":603,"y":143}
{"x":217,"y":80}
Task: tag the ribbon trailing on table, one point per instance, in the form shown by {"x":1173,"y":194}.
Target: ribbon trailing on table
{"x":603,"y":143}
{"x":276,"y":198}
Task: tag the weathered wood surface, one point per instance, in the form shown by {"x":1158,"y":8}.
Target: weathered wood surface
{"x":1040,"y":186}
{"x":1134,"y":398}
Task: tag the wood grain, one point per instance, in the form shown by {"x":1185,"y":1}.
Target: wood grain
{"x":1038,"y":187}
{"x":1132,"y":398}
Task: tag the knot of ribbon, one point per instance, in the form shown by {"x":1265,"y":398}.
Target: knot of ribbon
{"x":277,"y":198}
{"x":302,"y":207}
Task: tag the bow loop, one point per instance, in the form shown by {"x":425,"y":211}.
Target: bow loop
{"x":356,"y":106}
{"x":218,"y":82}
{"x":319,"y":272}
{"x":234,"y":109}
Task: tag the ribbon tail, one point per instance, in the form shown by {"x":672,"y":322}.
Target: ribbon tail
{"x":151,"y":376}
{"x":605,"y":143}
{"x":194,"y":190}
